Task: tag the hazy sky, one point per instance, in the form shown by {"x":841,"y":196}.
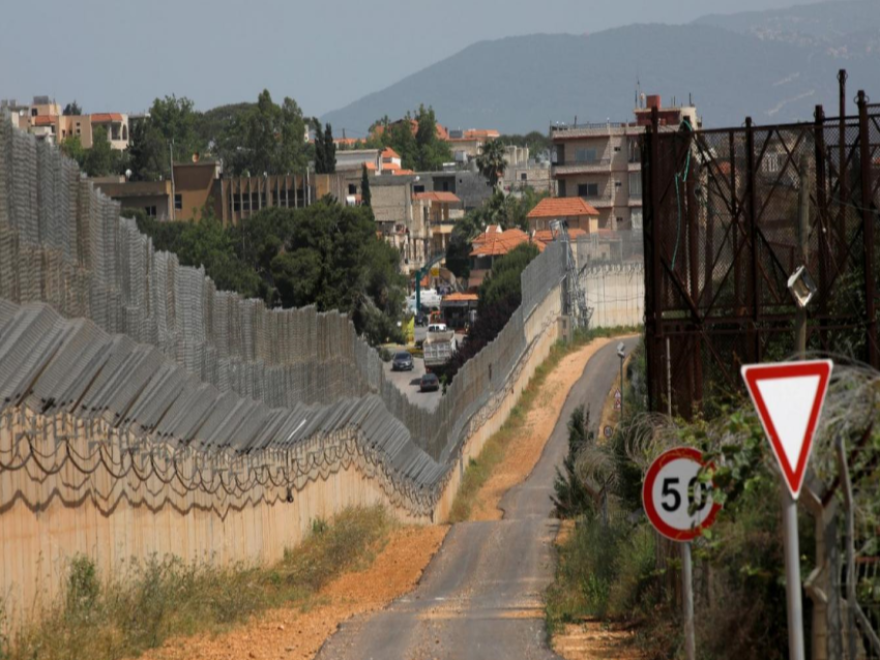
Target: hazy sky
{"x":120,"y":54}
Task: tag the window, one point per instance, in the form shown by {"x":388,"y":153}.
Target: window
{"x":561,"y":188}
{"x":524,"y":177}
{"x":635,"y":185}
{"x":178,"y":202}
{"x":770,"y":163}
{"x":34,"y":112}
{"x":446,"y":186}
{"x":618,"y":184}
{"x":150,"y":211}
{"x":588,"y":190}
{"x":352,"y":189}
{"x":584,"y":155}
{"x":245,"y":202}
{"x":617,"y":149}
{"x":619,"y":222}
{"x":419,"y":189}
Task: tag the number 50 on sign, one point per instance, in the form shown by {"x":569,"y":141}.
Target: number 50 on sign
{"x":677,"y":503}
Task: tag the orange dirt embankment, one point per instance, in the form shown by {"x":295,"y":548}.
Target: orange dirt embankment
{"x":521,"y":454}
{"x":294,"y":634}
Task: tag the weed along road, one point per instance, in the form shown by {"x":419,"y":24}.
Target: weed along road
{"x":481,"y":596}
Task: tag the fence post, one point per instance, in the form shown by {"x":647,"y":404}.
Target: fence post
{"x":754,"y":276}
{"x":842,"y":172}
{"x":822,"y":220}
{"x":867,"y":230}
{"x":655,"y":310}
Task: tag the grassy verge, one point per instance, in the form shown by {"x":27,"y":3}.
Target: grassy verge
{"x":151,"y":601}
{"x":480,"y":469}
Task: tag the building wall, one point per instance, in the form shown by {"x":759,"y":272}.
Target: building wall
{"x":193,"y":184}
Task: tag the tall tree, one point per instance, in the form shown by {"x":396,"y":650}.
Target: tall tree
{"x":175,"y":118}
{"x":72,"y":148}
{"x":433,"y":151}
{"x":320,"y":150}
{"x":366,"y":195}
{"x":99,"y":159}
{"x":291,"y":149}
{"x":147,"y":152}
{"x":329,"y":150}
{"x":71,"y":109}
{"x":404,"y":143}
{"x":491,"y":162}
{"x":262,"y":138}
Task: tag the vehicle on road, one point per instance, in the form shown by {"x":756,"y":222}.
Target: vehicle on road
{"x":439,"y":345}
{"x":429,"y":383}
{"x":402,"y":362}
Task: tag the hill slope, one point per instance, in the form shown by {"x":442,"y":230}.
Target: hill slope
{"x":524,"y":83}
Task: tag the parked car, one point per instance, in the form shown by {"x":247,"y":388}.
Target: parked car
{"x":402,"y":362}
{"x":429,"y":383}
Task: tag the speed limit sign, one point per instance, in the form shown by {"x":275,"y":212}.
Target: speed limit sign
{"x":678,"y":504}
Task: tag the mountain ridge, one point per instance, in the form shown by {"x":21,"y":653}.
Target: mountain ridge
{"x":523,"y":83}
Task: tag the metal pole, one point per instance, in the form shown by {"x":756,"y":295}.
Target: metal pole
{"x":621,"y":388}
{"x":791,"y":545}
{"x":867,"y":231}
{"x":687,"y":591}
{"x":668,"y":379}
{"x":804,"y":239}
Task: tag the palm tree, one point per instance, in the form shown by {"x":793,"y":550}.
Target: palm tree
{"x":491,"y":162}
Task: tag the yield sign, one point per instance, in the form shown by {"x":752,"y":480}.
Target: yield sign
{"x":788,"y":397}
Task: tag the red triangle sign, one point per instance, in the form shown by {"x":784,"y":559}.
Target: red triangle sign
{"x":788,"y":397}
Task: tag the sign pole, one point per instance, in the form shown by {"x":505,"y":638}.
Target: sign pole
{"x":791,"y":544}
{"x":687,"y":591}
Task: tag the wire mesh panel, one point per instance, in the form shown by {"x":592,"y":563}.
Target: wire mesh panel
{"x":730,"y":216}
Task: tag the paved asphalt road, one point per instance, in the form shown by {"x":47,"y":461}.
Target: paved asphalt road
{"x":408,"y":383}
{"x":481,"y":596}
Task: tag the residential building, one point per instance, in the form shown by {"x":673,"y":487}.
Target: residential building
{"x":490,"y":246}
{"x":116,"y":125}
{"x":238,"y":198}
{"x":44,"y":119}
{"x":440,"y":210}
{"x":467,"y":145}
{"x":355,"y":159}
{"x":573,"y":211}
{"x":601,"y":162}
{"x":154,"y":197}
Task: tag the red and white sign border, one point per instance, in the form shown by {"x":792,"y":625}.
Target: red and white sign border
{"x":752,"y":373}
{"x":673,"y":534}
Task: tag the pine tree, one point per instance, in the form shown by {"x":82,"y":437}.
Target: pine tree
{"x":329,"y":151}
{"x":320,"y":150}
{"x":366,"y":195}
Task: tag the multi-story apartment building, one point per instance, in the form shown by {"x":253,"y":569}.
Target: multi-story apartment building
{"x":601,"y":162}
{"x":45,"y":120}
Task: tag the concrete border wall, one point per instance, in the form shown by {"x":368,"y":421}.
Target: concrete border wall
{"x":186,"y":421}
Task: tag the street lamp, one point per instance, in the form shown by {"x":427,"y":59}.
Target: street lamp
{"x":621,"y":353}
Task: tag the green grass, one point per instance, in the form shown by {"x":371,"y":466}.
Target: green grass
{"x":108,"y":617}
{"x":480,"y":469}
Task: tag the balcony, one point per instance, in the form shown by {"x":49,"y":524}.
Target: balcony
{"x":570,"y":167}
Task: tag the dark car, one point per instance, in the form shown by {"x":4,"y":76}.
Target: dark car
{"x":429,"y":383}
{"x":402,"y":362}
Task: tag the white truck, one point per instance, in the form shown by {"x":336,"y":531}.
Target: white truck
{"x":439,"y":345}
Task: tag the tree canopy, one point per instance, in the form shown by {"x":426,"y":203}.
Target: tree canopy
{"x":326,"y":255}
{"x":72,"y":108}
{"x":491,"y":162}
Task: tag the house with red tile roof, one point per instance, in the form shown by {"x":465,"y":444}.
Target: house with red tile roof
{"x":574,"y":211}
{"x":491,"y":245}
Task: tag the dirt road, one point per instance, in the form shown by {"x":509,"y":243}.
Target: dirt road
{"x":481,"y":596}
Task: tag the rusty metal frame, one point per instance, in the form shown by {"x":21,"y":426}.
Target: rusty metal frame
{"x":716,"y":275}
